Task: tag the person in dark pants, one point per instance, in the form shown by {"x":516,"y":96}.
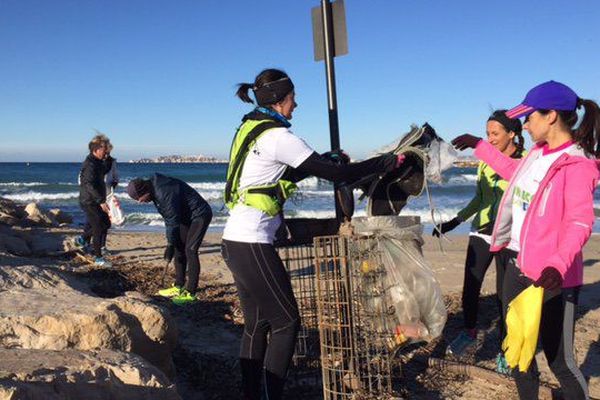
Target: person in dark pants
{"x":504,"y":134}
{"x":266,"y":160}
{"x":544,"y":220}
{"x":187,"y":217}
{"x":92,"y":197}
{"x":111,"y":179}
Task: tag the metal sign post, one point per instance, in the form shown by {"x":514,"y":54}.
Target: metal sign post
{"x":330,"y":39}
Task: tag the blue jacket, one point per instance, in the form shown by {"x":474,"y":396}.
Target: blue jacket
{"x":178,"y":203}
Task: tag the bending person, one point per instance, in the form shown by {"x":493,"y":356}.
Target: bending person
{"x":545,"y":218}
{"x":504,"y":134}
{"x":187,"y":216}
{"x":266,"y":159}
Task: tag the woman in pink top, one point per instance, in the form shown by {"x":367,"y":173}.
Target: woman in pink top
{"x":545,"y":218}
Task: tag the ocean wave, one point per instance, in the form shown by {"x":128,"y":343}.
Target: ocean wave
{"x":463,"y":178}
{"x":442,"y":214}
{"x":213,"y":195}
{"x":208,"y":185}
{"x":37,"y":196}
{"x":311,"y":182}
{"x":156,"y":220}
{"x":21,"y":184}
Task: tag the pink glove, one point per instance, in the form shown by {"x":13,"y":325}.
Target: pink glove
{"x":400,"y":159}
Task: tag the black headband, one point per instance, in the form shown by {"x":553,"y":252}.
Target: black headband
{"x":511,"y":125}
{"x":273,"y":92}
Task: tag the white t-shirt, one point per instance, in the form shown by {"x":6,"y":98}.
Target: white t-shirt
{"x":486,"y":238}
{"x":266,"y":162}
{"x":526,"y":187}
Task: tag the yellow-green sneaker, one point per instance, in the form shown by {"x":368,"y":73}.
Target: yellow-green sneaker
{"x":184,"y":298}
{"x":170,"y":292}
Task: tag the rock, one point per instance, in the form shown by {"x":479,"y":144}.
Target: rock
{"x":60,"y":216}
{"x":14,"y":244}
{"x":43,"y":309}
{"x":8,"y":219}
{"x":39,"y":216}
{"x":47,"y":243}
{"x":11,"y":208}
{"x":73,"y":374}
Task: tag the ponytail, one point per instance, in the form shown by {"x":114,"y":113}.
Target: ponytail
{"x":242,"y":92}
{"x":269,"y":87}
{"x":588,"y":132}
{"x":520,"y":143}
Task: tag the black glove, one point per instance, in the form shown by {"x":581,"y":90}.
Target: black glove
{"x":446,"y":226}
{"x":550,"y":279}
{"x":169,"y":253}
{"x":465,"y":141}
{"x":337,"y":156}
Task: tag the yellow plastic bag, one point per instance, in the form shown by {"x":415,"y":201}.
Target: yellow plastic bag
{"x":522,"y":327}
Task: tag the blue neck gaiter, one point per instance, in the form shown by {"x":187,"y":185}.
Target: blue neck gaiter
{"x":275,"y":115}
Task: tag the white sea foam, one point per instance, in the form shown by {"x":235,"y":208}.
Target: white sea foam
{"x":463,"y":178}
{"x":443,"y":214}
{"x":37,"y":196}
{"x":156,"y":220}
{"x":21,"y":184}
{"x":311,"y":182}
{"x":208,"y":185}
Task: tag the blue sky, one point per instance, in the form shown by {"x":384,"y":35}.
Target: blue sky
{"x":159,"y":76}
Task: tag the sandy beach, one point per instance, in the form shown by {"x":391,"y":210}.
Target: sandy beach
{"x":210,"y":331}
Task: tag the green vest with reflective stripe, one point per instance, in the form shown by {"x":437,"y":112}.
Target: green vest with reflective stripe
{"x":267,"y":198}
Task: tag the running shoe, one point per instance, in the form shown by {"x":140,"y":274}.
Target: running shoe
{"x":462,"y":342}
{"x":79,"y":242}
{"x":184,"y":298}
{"x":102,"y":262}
{"x":170,"y":292}
{"x":105,"y":251}
{"x":501,"y":365}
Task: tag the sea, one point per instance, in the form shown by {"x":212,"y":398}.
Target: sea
{"x":54,"y":185}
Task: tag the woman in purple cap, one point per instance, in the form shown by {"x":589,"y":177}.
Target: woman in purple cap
{"x":544,"y":219}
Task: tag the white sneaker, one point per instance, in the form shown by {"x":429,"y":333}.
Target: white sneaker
{"x":102,"y":262}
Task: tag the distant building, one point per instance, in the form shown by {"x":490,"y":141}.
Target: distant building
{"x":177,"y":159}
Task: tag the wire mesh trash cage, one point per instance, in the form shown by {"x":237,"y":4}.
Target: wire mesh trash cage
{"x":356,"y":328}
{"x":299,"y":262}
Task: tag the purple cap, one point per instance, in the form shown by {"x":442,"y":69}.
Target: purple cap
{"x":550,"y":95}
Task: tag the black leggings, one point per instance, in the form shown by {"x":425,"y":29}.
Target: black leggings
{"x":557,"y":328}
{"x":270,"y":310}
{"x":186,"y":254}
{"x":96,"y":226}
{"x":477,"y":263}
{"x":87,"y":233}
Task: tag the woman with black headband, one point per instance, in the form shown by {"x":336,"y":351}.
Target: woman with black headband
{"x":505,"y":135}
{"x":266,"y":160}
{"x":544,"y":219}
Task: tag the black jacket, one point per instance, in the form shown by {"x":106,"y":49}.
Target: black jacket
{"x":178,"y":203}
{"x":92,"y":190}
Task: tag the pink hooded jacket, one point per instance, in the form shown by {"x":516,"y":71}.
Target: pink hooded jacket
{"x":560,"y":216}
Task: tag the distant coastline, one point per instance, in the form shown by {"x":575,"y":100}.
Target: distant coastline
{"x":466,"y":163}
{"x":176,"y":159}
